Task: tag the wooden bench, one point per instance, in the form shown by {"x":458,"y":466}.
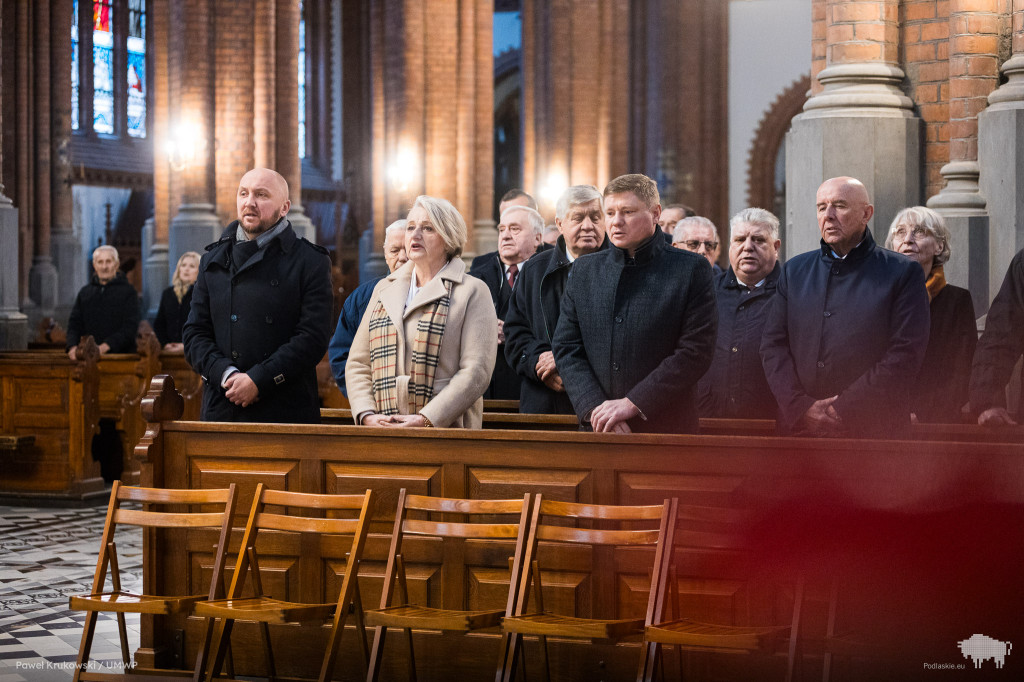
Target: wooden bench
{"x":49,"y":406}
{"x":124,"y":379}
{"x":13,"y":443}
{"x":909,"y":518}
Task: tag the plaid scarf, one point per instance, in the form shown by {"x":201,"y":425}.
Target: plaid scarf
{"x":425,"y":350}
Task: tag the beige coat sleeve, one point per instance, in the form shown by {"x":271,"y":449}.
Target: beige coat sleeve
{"x":358,"y":381}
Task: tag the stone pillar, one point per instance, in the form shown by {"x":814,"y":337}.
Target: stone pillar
{"x":13,"y":324}
{"x":858,"y":123}
{"x":156,"y":270}
{"x":973,"y":74}
{"x":190,"y":24}
{"x":65,"y":248}
{"x":286,"y":62}
{"x":432,"y":112}
{"x":1001,"y":160}
{"x":42,"y":277}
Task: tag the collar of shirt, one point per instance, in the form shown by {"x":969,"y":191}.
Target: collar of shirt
{"x":261,"y":239}
{"x":414,"y":289}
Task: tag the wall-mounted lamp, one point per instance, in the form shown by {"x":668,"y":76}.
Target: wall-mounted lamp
{"x":403,"y":171}
{"x":183,"y":145}
{"x":553,"y":188}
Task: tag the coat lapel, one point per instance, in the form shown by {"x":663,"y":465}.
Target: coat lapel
{"x":435,"y":289}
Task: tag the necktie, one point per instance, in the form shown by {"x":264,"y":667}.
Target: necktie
{"x":513,"y":270}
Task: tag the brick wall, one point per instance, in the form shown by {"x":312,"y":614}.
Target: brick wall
{"x":924,"y":57}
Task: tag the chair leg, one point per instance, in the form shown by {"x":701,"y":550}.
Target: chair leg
{"x":376,"y":653}
{"x":510,"y":646}
{"x":122,"y":631}
{"x":86,"y":645}
{"x":268,"y":652}
{"x":412,"y":655}
{"x":222,"y":643}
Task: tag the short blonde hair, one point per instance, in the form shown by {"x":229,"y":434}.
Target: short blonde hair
{"x":448,"y":222}
{"x":930,"y":220}
{"x":645,"y":189}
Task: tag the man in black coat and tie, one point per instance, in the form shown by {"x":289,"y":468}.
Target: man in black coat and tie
{"x":519,"y":235}
{"x":536,"y":302}
{"x":638,"y":320}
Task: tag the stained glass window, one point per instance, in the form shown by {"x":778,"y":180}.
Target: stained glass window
{"x":137,"y":68}
{"x":302,"y":82}
{"x":103,"y":67}
{"x":74,"y":65}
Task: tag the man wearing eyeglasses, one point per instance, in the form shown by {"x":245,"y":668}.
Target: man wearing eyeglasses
{"x":699,"y":235}
{"x":848,"y":330}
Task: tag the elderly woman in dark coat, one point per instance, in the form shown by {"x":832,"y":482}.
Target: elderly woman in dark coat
{"x":941,"y":390}
{"x":175,"y":302}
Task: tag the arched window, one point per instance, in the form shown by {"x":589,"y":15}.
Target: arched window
{"x":110,"y":91}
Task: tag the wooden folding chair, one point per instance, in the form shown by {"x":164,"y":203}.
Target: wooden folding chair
{"x":635,"y":526}
{"x":214,"y":509}
{"x":399,"y":612}
{"x":267,"y":610}
{"x":690,"y":634}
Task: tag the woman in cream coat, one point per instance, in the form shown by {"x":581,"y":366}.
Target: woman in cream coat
{"x":425,"y":348}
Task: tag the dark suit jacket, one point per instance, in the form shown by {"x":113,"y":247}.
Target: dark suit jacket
{"x":530,"y":323}
{"x":171,"y":316}
{"x":854,"y":327}
{"x":107,"y":312}
{"x":641,"y":328}
{"x":1002,"y":343}
{"x":488,"y":268}
{"x":271,"y":319}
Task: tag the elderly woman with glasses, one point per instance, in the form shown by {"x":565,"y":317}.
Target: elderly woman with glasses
{"x":941,"y":390}
{"x":425,"y":348}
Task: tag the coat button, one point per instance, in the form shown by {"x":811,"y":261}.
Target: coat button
{"x":821,"y":364}
{"x":742,"y":307}
{"x":234,"y":318}
{"x":615,"y":366}
{"x":618,"y":319}
{"x":234,"y":355}
{"x":274,"y":282}
{"x":828,"y":314}
{"x":735,"y":349}
{"x":269,"y":319}
{"x":835,"y":271}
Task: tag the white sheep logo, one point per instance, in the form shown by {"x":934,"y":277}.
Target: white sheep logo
{"x":980,"y":648}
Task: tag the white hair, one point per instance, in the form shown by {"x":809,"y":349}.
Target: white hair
{"x":577,"y":195}
{"x":694,"y":221}
{"x":756,"y":216}
{"x":397,"y":226}
{"x":107,"y":247}
{"x":536,"y":219}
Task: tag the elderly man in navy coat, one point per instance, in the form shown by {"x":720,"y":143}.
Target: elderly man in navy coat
{"x":261,"y":312}
{"x":849,"y":327}
{"x":536,"y":302}
{"x":637,"y":328}
{"x":735,"y":387}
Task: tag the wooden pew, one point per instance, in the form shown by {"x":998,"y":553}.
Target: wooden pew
{"x":189,"y":384}
{"x":885,"y":513}
{"x":124,"y":379}
{"x":52,"y":401}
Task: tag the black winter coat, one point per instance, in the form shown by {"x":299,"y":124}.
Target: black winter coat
{"x":271,"y":319}
{"x":107,"y":312}
{"x":642,"y":328}
{"x":530,"y":323}
{"x":854,"y":327}
{"x":1002,"y":344}
{"x":942,"y":383}
{"x":734,"y":386}
{"x":171,"y":316}
{"x":488,"y":268}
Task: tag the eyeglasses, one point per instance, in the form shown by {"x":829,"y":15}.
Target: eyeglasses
{"x":918,"y":233}
{"x":694,"y":244}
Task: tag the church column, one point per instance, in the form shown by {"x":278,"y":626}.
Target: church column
{"x":432,"y":91}
{"x":574,"y":130}
{"x":42,"y":278}
{"x":858,"y":122}
{"x":189,"y":121}
{"x":13,"y":323}
{"x":286,"y":47}
{"x":65,"y":247}
{"x":1001,"y":159}
{"x":973,"y":74}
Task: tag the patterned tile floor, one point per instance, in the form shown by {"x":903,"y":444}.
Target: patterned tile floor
{"x":46,"y":555}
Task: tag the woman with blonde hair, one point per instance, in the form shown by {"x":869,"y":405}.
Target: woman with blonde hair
{"x":176,"y":301}
{"x":425,"y":348}
{"x":941,"y":391}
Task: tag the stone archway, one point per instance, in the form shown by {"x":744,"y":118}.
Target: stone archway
{"x":768,"y":140}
